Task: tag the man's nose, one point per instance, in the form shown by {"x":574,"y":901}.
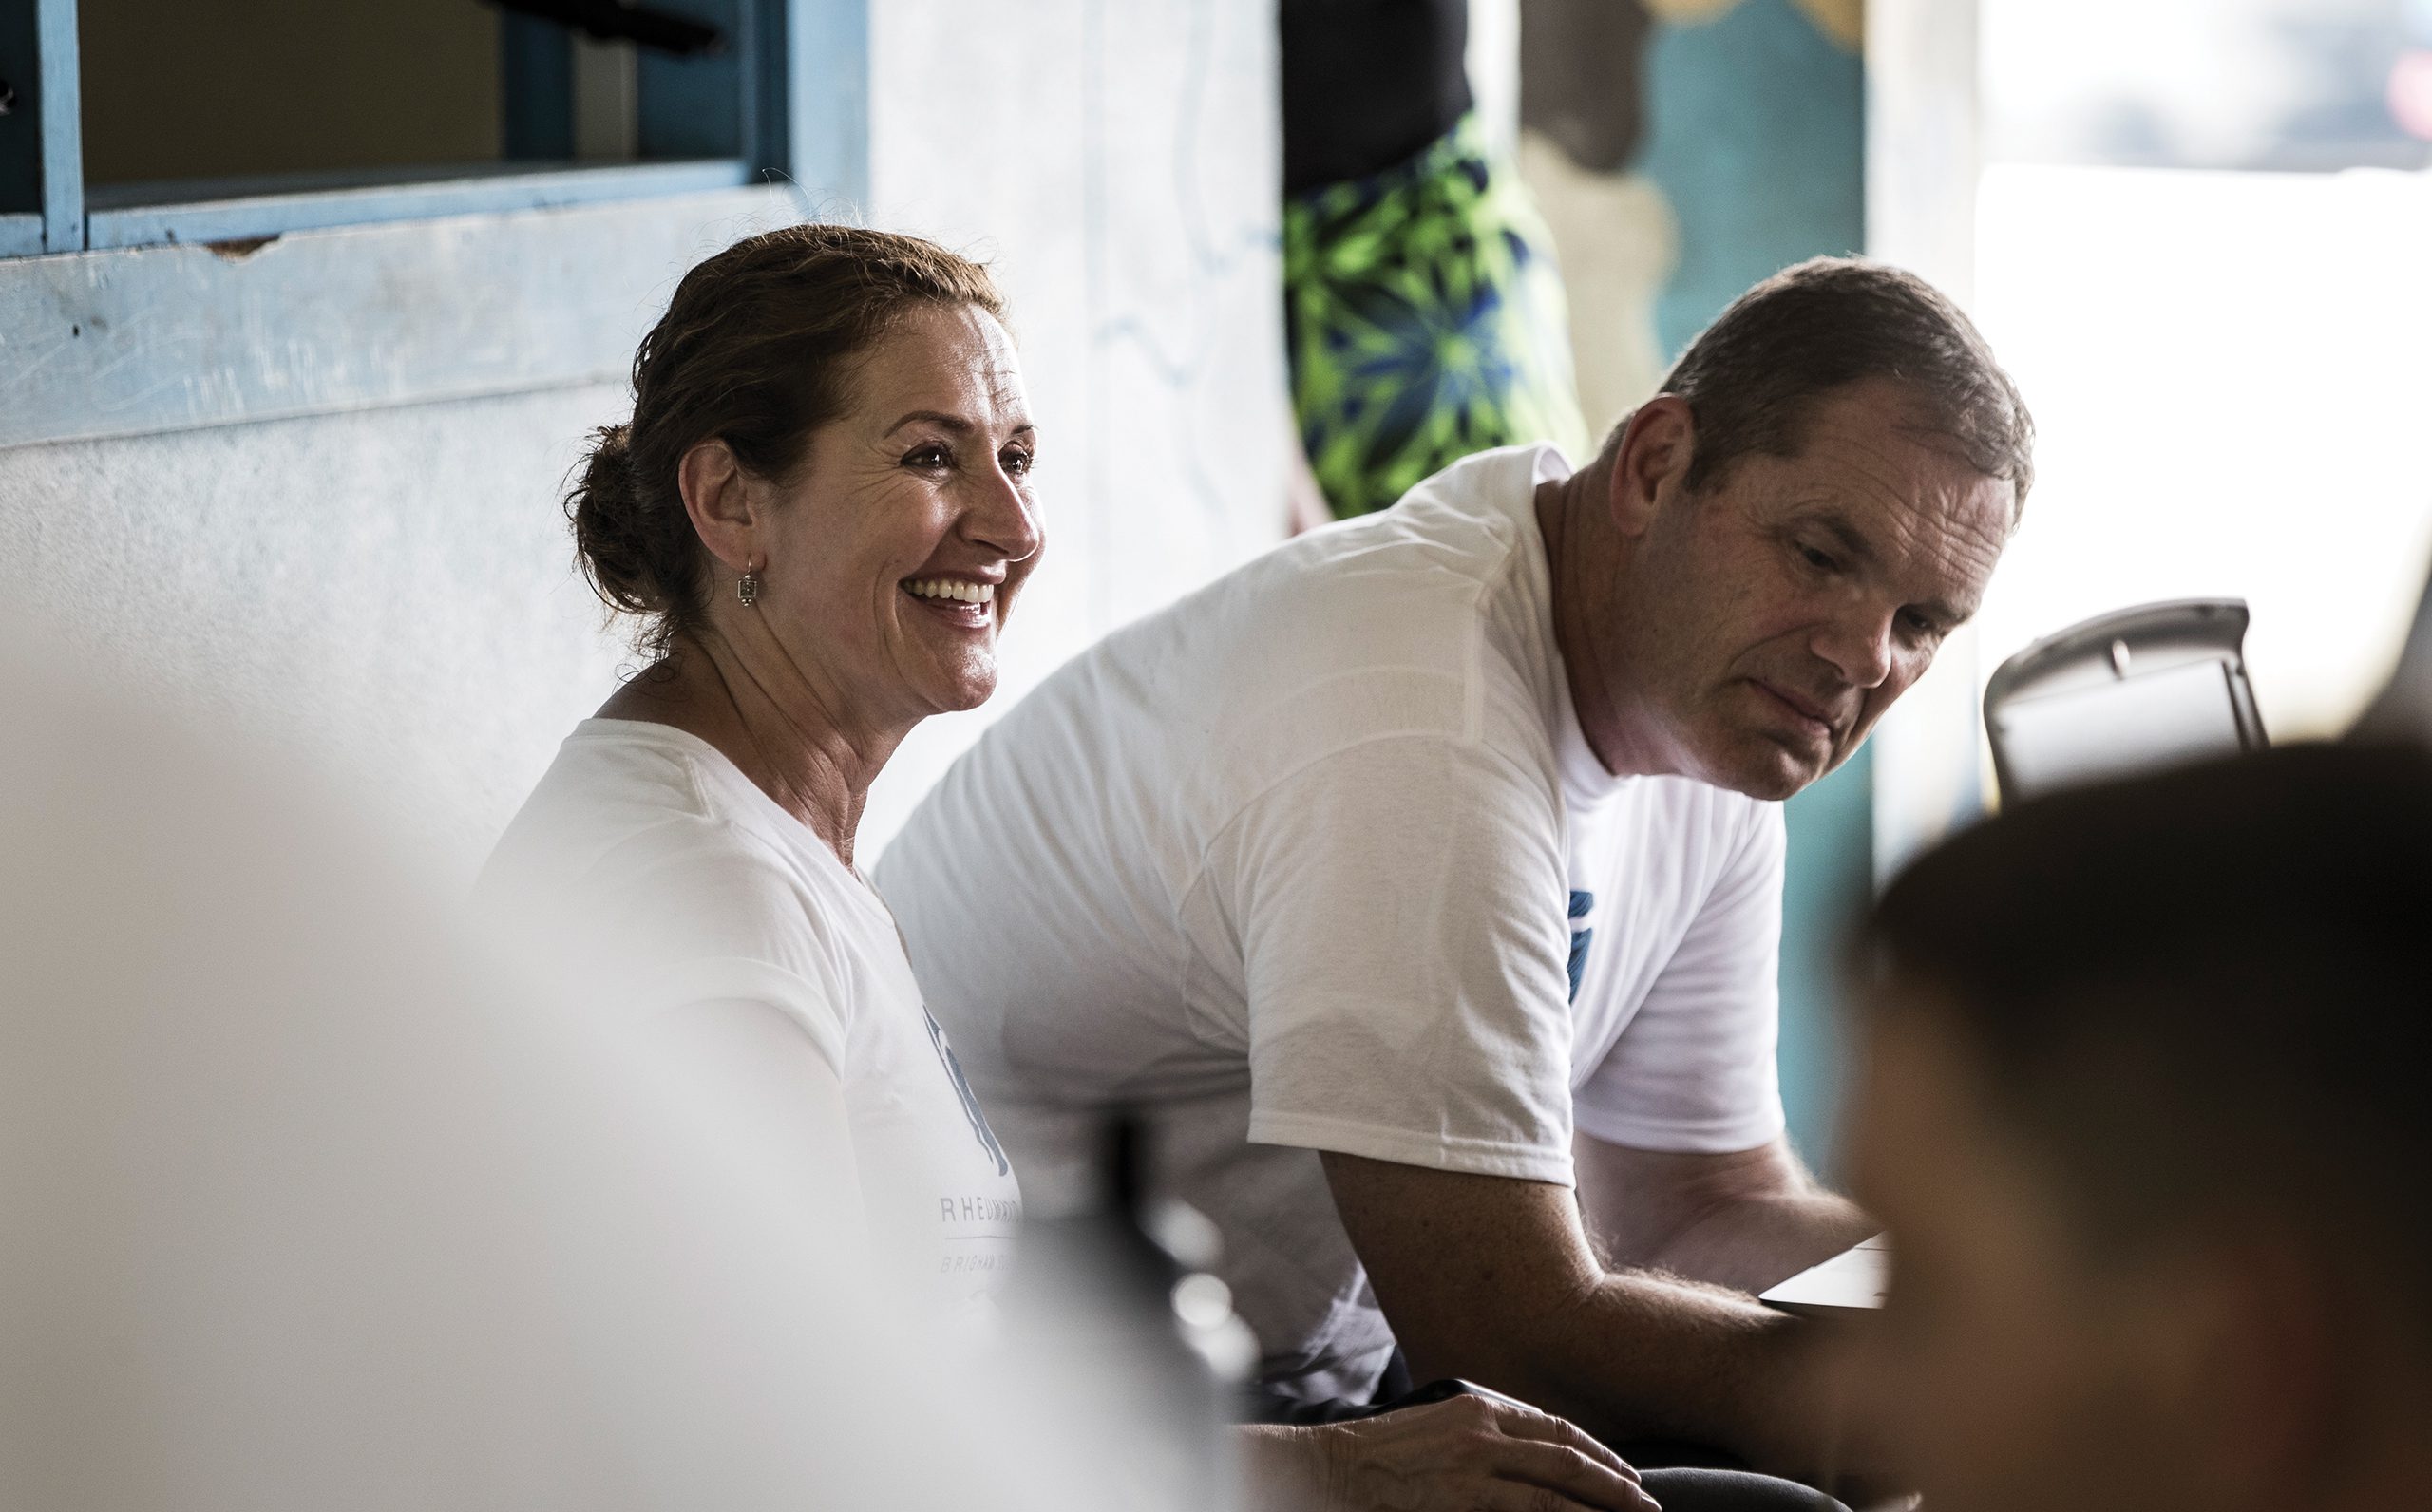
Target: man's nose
{"x":1858,"y":645}
{"x":1005,"y":519}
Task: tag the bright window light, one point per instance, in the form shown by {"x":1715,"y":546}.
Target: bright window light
{"x":2222,"y":322}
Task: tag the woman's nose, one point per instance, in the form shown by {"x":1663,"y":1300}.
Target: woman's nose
{"x":1005,"y":520}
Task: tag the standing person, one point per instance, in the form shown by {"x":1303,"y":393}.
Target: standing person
{"x":2144,"y":1108}
{"x":1377,"y":870}
{"x":1424,"y":313}
{"x":821,"y":514}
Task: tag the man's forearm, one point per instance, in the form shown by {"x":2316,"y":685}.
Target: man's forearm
{"x":1757,"y":1241}
{"x":1645,"y":1355}
{"x":1745,"y":1220}
{"x":1493,"y":1279}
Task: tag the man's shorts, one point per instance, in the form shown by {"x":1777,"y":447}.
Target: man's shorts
{"x":1425,"y":321}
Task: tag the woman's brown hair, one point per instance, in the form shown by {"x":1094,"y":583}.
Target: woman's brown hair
{"x":757,"y":350}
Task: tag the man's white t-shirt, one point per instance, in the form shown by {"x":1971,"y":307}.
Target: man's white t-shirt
{"x":685,"y":885}
{"x":1318,"y":858}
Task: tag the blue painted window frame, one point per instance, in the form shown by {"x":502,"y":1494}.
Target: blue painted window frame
{"x":785,"y":100}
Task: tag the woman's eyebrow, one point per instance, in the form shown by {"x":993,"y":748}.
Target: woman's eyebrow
{"x":935,"y":417}
{"x":954,"y":424}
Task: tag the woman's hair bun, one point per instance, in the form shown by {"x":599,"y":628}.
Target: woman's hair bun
{"x":614,"y":530}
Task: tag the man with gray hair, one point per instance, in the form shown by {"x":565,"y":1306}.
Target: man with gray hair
{"x":1418,"y":882}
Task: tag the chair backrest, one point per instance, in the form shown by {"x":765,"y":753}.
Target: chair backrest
{"x":2137,"y":689}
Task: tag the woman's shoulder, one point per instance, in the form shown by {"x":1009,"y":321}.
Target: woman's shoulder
{"x":639,"y":811}
{"x":632,"y":855}
{"x":611,"y":782}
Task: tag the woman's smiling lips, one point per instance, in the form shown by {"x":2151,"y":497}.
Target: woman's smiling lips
{"x":968,"y":603}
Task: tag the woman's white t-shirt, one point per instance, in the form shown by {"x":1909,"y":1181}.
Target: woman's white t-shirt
{"x":683,"y":884}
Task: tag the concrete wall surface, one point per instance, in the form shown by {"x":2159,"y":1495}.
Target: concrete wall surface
{"x":1118,"y":163}
{"x":390,"y":588}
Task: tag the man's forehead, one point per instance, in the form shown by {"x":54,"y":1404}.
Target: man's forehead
{"x":1878,"y":435}
{"x":1885,"y":454}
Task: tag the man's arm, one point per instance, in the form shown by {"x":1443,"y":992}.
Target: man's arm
{"x":1493,"y":1279}
{"x":1746,"y":1220}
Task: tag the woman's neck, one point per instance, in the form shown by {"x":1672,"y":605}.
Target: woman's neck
{"x":776,"y":729}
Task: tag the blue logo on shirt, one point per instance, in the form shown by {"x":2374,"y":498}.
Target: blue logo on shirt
{"x":971,"y":1104}
{"x":1581,"y":903}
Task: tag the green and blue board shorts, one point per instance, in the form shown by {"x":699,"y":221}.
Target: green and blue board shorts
{"x":1425,"y":321}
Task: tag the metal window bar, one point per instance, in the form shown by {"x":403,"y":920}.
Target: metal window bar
{"x":42,"y":155}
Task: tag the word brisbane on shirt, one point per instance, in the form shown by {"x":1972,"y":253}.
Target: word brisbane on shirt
{"x":979,"y":1230}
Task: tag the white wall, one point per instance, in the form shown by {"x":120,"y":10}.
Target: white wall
{"x":1120,"y":166}
{"x":388,"y":590}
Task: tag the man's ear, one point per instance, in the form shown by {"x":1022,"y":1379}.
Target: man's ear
{"x":1651,"y":464}
{"x":721,"y":501}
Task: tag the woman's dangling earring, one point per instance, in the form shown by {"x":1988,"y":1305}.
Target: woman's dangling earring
{"x":748,"y":586}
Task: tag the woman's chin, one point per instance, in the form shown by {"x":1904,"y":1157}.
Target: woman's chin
{"x":966,"y":687}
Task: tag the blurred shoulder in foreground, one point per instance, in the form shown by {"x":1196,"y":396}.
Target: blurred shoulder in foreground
{"x":2143,"y":1107}
{"x":312,"y":1203}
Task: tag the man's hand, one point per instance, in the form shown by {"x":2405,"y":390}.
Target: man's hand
{"x":1493,"y":1280}
{"x":1746,"y":1220}
{"x":1467,"y":1454}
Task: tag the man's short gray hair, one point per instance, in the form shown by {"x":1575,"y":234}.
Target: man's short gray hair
{"x":1753,"y":377}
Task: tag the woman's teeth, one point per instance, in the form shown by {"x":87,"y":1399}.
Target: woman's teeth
{"x":948,"y":588}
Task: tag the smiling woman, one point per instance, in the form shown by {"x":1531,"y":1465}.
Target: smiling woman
{"x":818,"y":515}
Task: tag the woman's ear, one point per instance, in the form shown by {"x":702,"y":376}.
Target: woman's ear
{"x":721,"y":501}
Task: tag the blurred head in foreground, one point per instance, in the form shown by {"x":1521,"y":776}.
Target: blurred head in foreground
{"x":310,"y":1205}
{"x":2145,"y":1108}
